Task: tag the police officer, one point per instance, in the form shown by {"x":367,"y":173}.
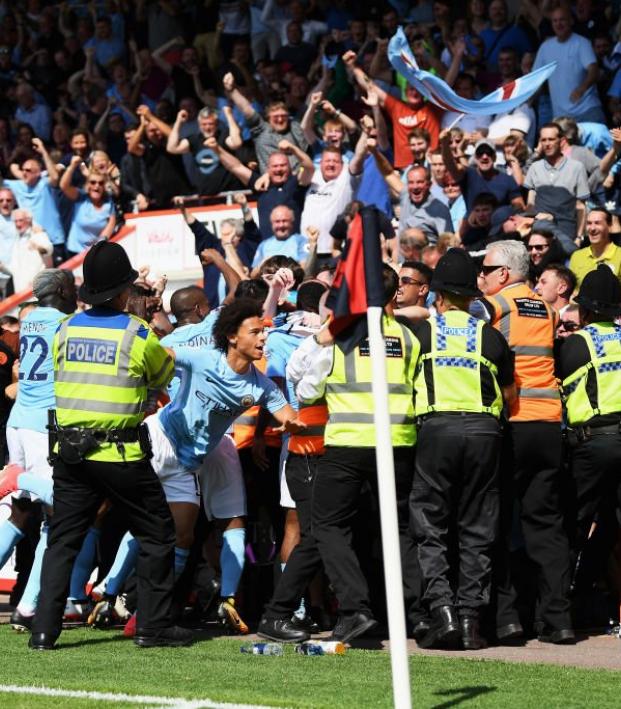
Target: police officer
{"x":590,"y":361}
{"x":533,"y":452}
{"x":349,"y":459}
{"x":464,"y":368}
{"x":104,"y":362}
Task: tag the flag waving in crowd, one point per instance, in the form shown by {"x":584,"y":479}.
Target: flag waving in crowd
{"x":503,"y":99}
{"x":357,"y":281}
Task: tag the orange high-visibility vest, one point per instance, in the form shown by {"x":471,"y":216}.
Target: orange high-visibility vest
{"x":529,"y":324}
{"x":245,"y":425}
{"x":311,"y":442}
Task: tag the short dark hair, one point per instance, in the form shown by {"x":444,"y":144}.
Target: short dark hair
{"x":604,"y":211}
{"x":485,"y":199}
{"x":309,"y":295}
{"x":553,"y":124}
{"x":391,"y":282}
{"x":254,"y":288}
{"x":230,"y":319}
{"x":273,"y":263}
{"x":564,"y":274}
{"x":421,"y":267}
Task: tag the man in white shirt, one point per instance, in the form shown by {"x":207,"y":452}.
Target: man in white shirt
{"x":32,"y":251}
{"x":330,"y":191}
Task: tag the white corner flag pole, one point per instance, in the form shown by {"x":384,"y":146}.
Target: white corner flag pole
{"x":388,"y":514}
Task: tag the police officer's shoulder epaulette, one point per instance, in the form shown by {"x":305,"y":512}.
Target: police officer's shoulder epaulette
{"x":144,"y":328}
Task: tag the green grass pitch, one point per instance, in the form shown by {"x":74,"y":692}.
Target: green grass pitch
{"x":216,"y":669}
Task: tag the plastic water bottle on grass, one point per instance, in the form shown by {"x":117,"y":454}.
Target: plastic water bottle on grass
{"x":262,"y":649}
{"x":321,"y":647}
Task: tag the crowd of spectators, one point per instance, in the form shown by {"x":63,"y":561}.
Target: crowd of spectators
{"x":113,"y":106}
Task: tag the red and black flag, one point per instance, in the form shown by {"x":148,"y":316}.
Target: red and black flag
{"x":358,"y":282}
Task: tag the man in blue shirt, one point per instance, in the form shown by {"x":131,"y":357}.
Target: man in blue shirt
{"x":26,"y":427}
{"x":35,"y":192}
{"x":283,"y":241}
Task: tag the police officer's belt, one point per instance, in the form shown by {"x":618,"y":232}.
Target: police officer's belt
{"x":104,"y":435}
{"x":579,"y":434}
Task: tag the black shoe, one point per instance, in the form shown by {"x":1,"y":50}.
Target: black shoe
{"x":281,"y":630}
{"x":349,"y":627}
{"x":173,"y":636}
{"x":420,"y":630}
{"x":470,"y":637}
{"x":510,"y":632}
{"x":564,"y":636}
{"x":445,"y":630}
{"x":41,"y":641}
{"x":21,"y":623}
{"x":307,"y":624}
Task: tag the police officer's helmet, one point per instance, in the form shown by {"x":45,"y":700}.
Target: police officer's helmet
{"x":600,"y":292}
{"x":107,"y":272}
{"x":456,"y":273}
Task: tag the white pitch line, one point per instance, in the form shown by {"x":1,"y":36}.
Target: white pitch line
{"x":157,"y":702}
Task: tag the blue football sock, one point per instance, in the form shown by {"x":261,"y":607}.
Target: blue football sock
{"x":83,"y":565}
{"x":232,"y":560}
{"x":124,"y":564}
{"x":28,"y":602}
{"x":9,"y":536}
{"x":38,"y":486}
{"x":181,"y":559}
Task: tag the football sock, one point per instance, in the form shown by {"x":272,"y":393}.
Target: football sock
{"x":232,"y":560}
{"x":181,"y":559}
{"x":9,"y":536}
{"x":84,"y":565}
{"x":28,"y":602}
{"x":124,"y":564}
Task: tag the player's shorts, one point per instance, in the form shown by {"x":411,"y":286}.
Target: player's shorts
{"x":179,"y":483}
{"x":222,"y":482}
{"x":285,"y":496}
{"x":29,"y":449}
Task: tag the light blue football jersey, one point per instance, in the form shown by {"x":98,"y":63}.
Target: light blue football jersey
{"x":197,"y":335}
{"x":210,"y":397}
{"x":35,"y":392}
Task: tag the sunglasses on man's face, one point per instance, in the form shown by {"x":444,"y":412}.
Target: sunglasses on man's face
{"x":568,"y":325}
{"x":407,"y":281}
{"x":486,"y":270}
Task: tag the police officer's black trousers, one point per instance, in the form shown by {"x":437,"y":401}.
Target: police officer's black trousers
{"x":304,"y":561}
{"x":136,"y":490}
{"x":596,"y":472}
{"x":336,"y":493}
{"x":455,"y":496}
{"x":530,"y":476}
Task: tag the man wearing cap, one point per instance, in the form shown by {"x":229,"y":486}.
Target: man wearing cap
{"x":464,"y":371}
{"x":483,"y":177}
{"x":104,"y":363}
{"x":589,"y":363}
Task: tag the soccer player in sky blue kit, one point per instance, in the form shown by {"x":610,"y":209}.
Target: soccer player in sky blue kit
{"x":216,"y":385}
{"x":26,"y":427}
